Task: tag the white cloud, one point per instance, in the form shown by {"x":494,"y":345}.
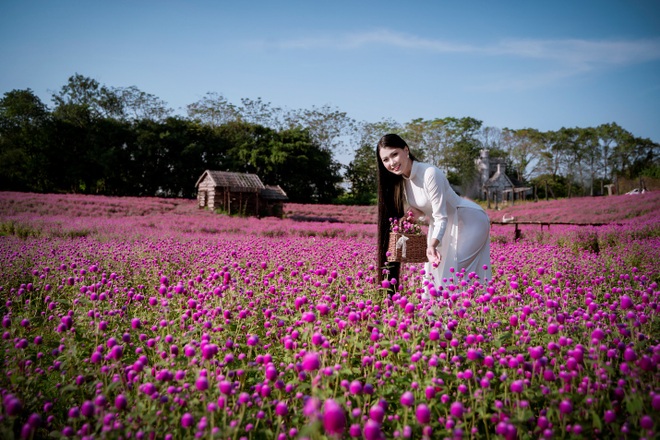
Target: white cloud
{"x":575,"y":52}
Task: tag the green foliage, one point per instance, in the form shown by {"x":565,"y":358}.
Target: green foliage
{"x":123,"y":141}
{"x":548,"y":186}
{"x":18,"y":229}
{"x":361,"y":173}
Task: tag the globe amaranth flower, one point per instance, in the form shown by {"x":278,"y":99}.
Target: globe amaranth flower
{"x":311,"y":362}
{"x":407,"y":399}
{"x":334,"y":418}
{"x":423,"y":414}
{"x":187,"y":420}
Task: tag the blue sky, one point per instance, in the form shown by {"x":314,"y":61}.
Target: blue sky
{"x":514,"y":64}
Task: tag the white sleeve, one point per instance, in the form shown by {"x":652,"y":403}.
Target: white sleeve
{"x":435,"y":184}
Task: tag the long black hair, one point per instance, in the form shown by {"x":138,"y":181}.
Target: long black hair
{"x":391,"y":202}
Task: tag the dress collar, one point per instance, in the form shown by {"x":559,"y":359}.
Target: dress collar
{"x":413,"y":170}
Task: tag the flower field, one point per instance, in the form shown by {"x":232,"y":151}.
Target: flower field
{"x":149,"y":318}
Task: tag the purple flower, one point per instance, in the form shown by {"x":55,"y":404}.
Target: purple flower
{"x":34,"y":420}
{"x":655,"y":402}
{"x":646,"y":422}
{"x":13,"y":406}
{"x":116,"y":352}
{"x":334,"y":419}
{"x":423,"y":414}
{"x":598,"y":334}
{"x":120,"y":402}
{"x":536,"y":352}
{"x":430,"y":392}
{"x":202,"y":383}
{"x":312,"y":408}
{"x":271,"y":373}
{"x":626,"y":302}
{"x":372,"y":430}
{"x":148,"y":388}
{"x":565,"y":406}
{"x":311,"y":362}
{"x":74,"y":412}
{"x":187,"y":420}
{"x":225,"y":387}
{"x":355,"y":387}
{"x":456,"y":410}
{"x":281,"y":409}
{"x":517,"y":386}
{"x":26,"y":431}
{"x":407,"y":399}
{"x":87,"y":408}
{"x":377,"y":413}
{"x":209,"y":350}
{"x":355,"y":431}
{"x":549,"y":375}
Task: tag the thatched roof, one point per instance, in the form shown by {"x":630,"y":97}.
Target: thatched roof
{"x":236,"y":182}
{"x":273,"y":192}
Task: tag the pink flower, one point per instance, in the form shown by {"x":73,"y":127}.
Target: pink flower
{"x":334,"y":419}
{"x":517,"y":386}
{"x":423,"y":414}
{"x":311,"y":362}
{"x":372,"y":430}
{"x":281,"y":409}
{"x":120,"y":402}
{"x":407,"y":399}
{"x":187,"y":420}
{"x":456,"y":410}
{"x":377,"y":413}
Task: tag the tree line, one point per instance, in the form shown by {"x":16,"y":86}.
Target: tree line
{"x":126,"y":142}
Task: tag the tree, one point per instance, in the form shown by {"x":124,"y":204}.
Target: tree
{"x":609,"y":136}
{"x":590,"y":145}
{"x":24,"y":125}
{"x":369,"y":133}
{"x":138,"y":105}
{"x":523,"y":149}
{"x":260,"y":113}
{"x":427,"y":139}
{"x":490,"y":138}
{"x":213,"y":109}
{"x":361,"y":173}
{"x":327,"y":127}
{"x":83,"y":99}
{"x":303,"y":169}
{"x":462,"y":149}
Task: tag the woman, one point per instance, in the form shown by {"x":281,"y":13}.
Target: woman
{"x":459,"y":229}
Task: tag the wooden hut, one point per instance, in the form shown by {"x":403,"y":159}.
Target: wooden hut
{"x":273,"y":198}
{"x":239,"y":193}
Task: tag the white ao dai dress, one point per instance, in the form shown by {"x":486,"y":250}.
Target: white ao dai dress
{"x":461,"y":226}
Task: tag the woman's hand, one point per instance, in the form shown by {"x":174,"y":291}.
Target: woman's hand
{"x":433,"y":255}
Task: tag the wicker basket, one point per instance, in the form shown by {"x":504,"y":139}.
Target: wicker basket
{"x":415,"y":248}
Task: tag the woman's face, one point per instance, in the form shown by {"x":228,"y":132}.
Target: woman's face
{"x":396,"y":160}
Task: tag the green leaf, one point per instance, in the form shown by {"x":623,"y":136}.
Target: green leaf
{"x":596,"y":420}
{"x":503,"y":339}
{"x":71,"y":388}
{"x":634,"y":403}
